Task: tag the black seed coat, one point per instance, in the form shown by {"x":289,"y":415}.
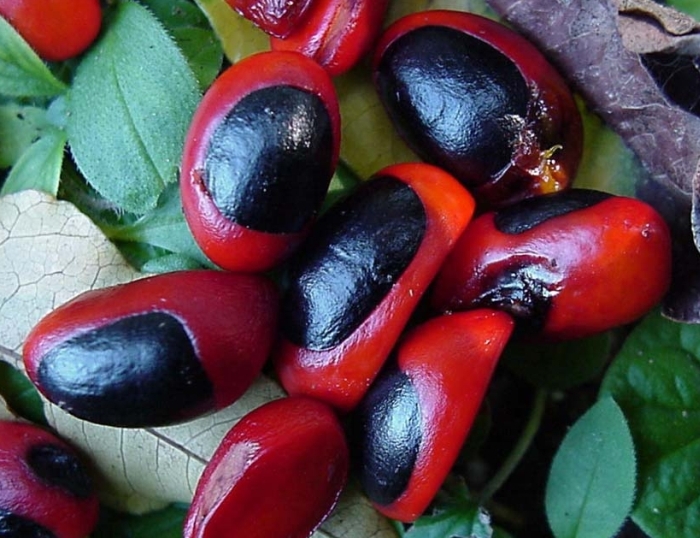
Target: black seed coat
{"x":269,"y":162}
{"x":137,"y":371}
{"x":456,"y":100}
{"x":351,"y":260}
{"x":390,"y":435}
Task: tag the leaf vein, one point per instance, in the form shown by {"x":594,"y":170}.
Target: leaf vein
{"x":142,"y":146}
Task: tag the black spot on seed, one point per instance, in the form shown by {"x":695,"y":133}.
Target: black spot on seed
{"x":137,"y":371}
{"x":390,"y":433}
{"x":355,"y":254}
{"x":269,"y":162}
{"x":457,"y":101}
{"x":56,"y":466}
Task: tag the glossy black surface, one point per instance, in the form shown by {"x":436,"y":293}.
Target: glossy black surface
{"x":454,"y":99}
{"x":532,"y":212}
{"x":269,"y":162}
{"x":59,"y":468}
{"x":389,"y":421}
{"x":14,"y":526}
{"x":138,"y":371}
{"x":355,"y":254}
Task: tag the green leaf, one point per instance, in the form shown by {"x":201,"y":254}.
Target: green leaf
{"x":164,"y":227}
{"x":591,"y":485}
{"x":19,"y":393}
{"x":132,"y":100}
{"x":74,"y":189}
{"x":22,"y":72}
{"x":344,"y":180}
{"x":238,"y":36}
{"x":500,"y":533}
{"x":193,"y":34}
{"x":169,"y":263}
{"x":691,"y":7}
{"x":165,"y":523}
{"x":561,"y":365}
{"x":39,"y":167}
{"x":656,"y":380}
{"x":455,"y":515}
{"x":20,"y":126}
{"x":203,"y":52}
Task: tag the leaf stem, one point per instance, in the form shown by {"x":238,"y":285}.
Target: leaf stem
{"x":521,"y":447}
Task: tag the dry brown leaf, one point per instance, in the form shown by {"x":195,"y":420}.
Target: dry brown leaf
{"x":672,"y":20}
{"x":646,"y":27}
{"x":50,"y":252}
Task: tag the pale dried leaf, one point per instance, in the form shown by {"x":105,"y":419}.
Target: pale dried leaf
{"x":144,"y":469}
{"x":5,"y":413}
{"x":354,"y":517}
{"x":50,"y":252}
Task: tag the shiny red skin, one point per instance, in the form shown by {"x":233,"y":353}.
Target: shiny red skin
{"x":277,"y":473}
{"x":342,"y":375}
{"x":56,"y":29}
{"x":275,"y":17}
{"x":557,"y":122}
{"x":226,"y":243}
{"x":450,"y":360}
{"x":336,"y":33}
{"x":611,"y":264}
{"x":25,"y":494}
{"x":231,"y":317}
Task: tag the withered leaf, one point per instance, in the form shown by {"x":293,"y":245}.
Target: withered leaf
{"x":583,"y":38}
{"x":5,"y":413}
{"x":50,"y":252}
{"x":649,"y":27}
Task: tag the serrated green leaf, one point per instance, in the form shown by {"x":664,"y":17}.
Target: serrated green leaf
{"x":455,"y":515}
{"x":132,"y":100}
{"x":169,"y":263}
{"x":20,"y":126}
{"x":163,"y":227}
{"x":176,"y":13}
{"x":456,"y":522}
{"x":656,"y":380}
{"x":238,"y":36}
{"x":561,"y":365}
{"x":74,"y":189}
{"x":591,"y":485}
{"x":203,"y":52}
{"x":22,"y":72}
{"x":39,"y":167}
{"x":193,"y":34}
